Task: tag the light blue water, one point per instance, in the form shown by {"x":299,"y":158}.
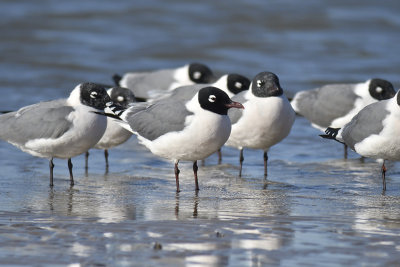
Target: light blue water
{"x":315,"y":208}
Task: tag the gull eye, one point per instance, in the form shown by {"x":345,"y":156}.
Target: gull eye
{"x":120,"y":98}
{"x":197,"y":75}
{"x":260,"y":83}
{"x":379,"y":90}
{"x":93,"y":94}
{"x":212,"y":98}
{"x":238,"y":85}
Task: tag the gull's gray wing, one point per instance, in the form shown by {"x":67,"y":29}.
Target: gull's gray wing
{"x":181,"y":93}
{"x":158,"y":119}
{"x":367,"y":122}
{"x":323,"y":105}
{"x":42,"y":120}
{"x":143,"y":83}
{"x":187,"y":92}
{"x":236,"y":113}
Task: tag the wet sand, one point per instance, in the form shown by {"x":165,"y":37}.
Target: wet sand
{"x":307,"y":212}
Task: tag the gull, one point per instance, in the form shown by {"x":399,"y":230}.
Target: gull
{"x":266,"y":120}
{"x":334,"y":105}
{"x":374,"y":132}
{"x":153,"y":84}
{"x":61,"y":128}
{"x":114,"y":134}
{"x":177,"y":130}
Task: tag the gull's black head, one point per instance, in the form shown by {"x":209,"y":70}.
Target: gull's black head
{"x":200,"y":73}
{"x":94,"y":95}
{"x":216,"y":100}
{"x":381,"y":89}
{"x":122,"y":96}
{"x":266,"y":84}
{"x":237,"y":83}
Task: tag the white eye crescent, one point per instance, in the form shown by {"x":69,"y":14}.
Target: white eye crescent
{"x":212,"y":98}
{"x":259,"y":83}
{"x":93,"y":94}
{"x":379,"y":89}
{"x":197,"y":75}
{"x":238,"y":85}
{"x":120,"y":98}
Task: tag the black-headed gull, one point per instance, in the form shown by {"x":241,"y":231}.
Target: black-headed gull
{"x":178,"y":130}
{"x":61,"y":128}
{"x":334,"y":105}
{"x":266,"y":120}
{"x":374,"y":132}
{"x":114,"y":134}
{"x":152,"y":84}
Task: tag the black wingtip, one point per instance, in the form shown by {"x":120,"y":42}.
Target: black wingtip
{"x":116,"y":108}
{"x":326,"y":136}
{"x":331,"y":133}
{"x":107,"y":115}
{"x":117,"y":78}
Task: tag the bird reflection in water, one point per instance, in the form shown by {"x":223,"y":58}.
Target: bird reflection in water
{"x":52,"y":200}
{"x":195,"y":204}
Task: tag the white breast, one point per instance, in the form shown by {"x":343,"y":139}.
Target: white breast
{"x":114,"y":135}
{"x":202,"y":136}
{"x":265,"y":122}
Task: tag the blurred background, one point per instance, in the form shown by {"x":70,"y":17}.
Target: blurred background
{"x":47,"y":47}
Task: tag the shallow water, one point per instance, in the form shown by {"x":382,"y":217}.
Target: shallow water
{"x":315,"y":208}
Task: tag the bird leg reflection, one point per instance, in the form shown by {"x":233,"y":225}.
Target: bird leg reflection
{"x":70,"y":201}
{"x":177,"y":204}
{"x":51,"y":199}
{"x":196,"y":204}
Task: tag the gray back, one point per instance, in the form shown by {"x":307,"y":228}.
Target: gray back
{"x":42,"y":120}
{"x":325,"y":104}
{"x":185,"y":93}
{"x":158,"y":119}
{"x":367,"y":122}
{"x":236,"y":113}
{"x":143,"y":82}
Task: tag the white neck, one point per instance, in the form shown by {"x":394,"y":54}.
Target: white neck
{"x":181,"y":74}
{"x":74,"y":98}
{"x":222,"y":83}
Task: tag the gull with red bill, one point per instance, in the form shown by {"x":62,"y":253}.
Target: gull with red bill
{"x":182,"y":130}
{"x":62,"y":128}
{"x":267,"y":119}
